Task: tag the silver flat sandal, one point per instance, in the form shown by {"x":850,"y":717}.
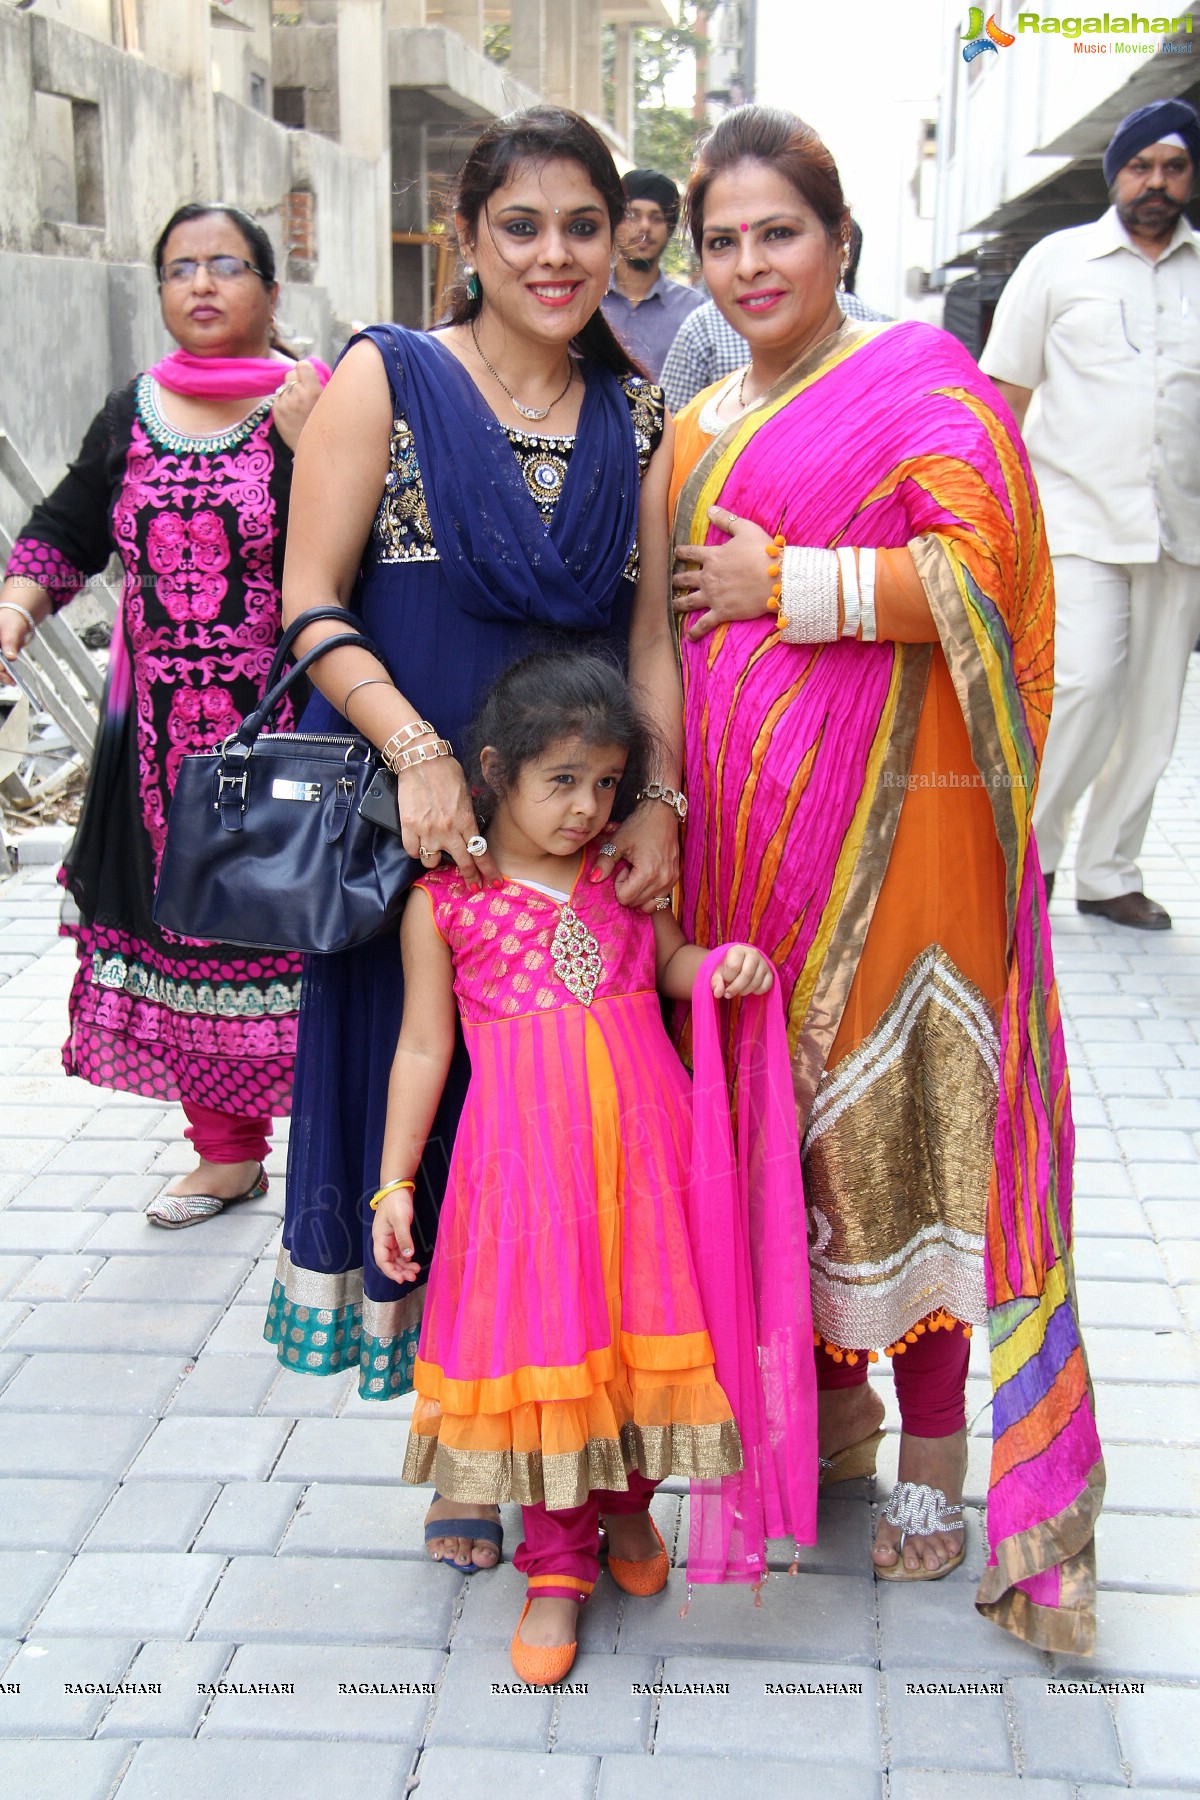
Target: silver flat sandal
{"x":176,"y":1211}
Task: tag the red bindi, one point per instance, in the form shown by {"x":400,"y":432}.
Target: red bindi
{"x":743,"y":228}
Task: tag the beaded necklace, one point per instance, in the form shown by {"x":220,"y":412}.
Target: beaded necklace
{"x":210,"y":443}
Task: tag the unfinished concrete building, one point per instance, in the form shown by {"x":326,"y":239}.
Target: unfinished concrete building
{"x":336,"y":123}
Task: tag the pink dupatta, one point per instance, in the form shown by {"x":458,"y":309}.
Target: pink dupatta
{"x":747,"y":1225}
{"x":227,"y":377}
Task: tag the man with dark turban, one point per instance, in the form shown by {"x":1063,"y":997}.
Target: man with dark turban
{"x":644,"y":307}
{"x":1100,"y":327}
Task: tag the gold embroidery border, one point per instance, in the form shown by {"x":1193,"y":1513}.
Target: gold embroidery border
{"x":382,"y":1319}
{"x":1067,"y":1541}
{"x":492,"y":1477}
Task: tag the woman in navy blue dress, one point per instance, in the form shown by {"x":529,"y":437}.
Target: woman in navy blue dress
{"x":472,"y":494}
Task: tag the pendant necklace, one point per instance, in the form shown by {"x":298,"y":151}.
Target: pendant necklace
{"x":526,"y":412}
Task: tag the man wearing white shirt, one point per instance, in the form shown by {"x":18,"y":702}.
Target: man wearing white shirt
{"x":1100,"y":328}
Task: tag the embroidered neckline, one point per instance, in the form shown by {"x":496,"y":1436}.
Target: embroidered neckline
{"x":209,"y":443}
{"x":535,"y":440}
{"x":576,"y":956}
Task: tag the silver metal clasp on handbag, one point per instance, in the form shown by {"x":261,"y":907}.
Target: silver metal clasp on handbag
{"x":295,"y":790}
{"x":230,"y":787}
{"x":229,"y":798}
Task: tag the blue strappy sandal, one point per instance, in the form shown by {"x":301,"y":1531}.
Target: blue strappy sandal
{"x":488,"y":1531}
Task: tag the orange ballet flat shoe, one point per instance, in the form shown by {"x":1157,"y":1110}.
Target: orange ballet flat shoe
{"x":540,"y":1665}
{"x":648,"y":1576}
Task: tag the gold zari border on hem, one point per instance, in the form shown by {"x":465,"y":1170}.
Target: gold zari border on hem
{"x":488,"y":1477}
{"x":382,"y":1319}
{"x":1067,"y":1542}
{"x":897,"y":1161}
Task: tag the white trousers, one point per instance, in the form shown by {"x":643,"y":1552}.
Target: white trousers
{"x":1123,"y":635}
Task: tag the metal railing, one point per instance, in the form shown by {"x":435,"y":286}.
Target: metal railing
{"x":54,"y":670}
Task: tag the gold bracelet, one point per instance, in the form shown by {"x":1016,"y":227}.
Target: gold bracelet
{"x":428,"y":751}
{"x":390,"y":1188}
{"x":416,"y":728}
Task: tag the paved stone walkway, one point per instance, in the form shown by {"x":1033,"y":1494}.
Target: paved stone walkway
{"x":175,"y":1510}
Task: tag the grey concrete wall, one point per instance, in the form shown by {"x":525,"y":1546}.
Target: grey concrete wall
{"x":307,"y":323}
{"x":79,"y":310}
{"x":95,"y":17}
{"x":260,"y":161}
{"x":145,"y":136}
{"x":70,"y":331}
{"x":253,"y":165}
{"x":347,"y":224}
{"x":20,"y":213}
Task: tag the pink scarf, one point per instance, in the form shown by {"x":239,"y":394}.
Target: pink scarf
{"x":226,"y":377}
{"x":747,"y":1226}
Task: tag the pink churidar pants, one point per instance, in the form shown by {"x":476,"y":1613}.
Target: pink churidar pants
{"x":559,"y":1556}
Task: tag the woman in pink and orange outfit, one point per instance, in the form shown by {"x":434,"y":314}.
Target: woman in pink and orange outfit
{"x":867,"y":649}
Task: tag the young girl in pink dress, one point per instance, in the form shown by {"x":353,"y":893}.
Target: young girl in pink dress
{"x":564,"y":1357}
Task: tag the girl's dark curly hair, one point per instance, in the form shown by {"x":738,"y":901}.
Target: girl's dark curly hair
{"x":543,"y":699}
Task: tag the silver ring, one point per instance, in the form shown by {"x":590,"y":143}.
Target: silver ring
{"x":477,"y":846}
{"x":607,"y":850}
{"x":662,"y":903}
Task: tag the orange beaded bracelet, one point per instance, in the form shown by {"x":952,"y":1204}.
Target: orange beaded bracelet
{"x":774,"y":551}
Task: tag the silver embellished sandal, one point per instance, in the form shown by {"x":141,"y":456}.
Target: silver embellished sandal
{"x":175,"y":1211}
{"x":920,"y":1511}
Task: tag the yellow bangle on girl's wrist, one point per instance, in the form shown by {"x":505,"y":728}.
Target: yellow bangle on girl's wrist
{"x":390,"y":1188}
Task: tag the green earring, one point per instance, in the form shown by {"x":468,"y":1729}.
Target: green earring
{"x":473,"y":288}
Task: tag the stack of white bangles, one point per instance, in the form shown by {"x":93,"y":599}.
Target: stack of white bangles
{"x":811,"y":583}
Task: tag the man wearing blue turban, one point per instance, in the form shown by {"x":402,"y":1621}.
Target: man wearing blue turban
{"x":1100,"y":328}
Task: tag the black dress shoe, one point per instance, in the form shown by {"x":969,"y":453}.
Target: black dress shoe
{"x":1136,"y":910}
{"x":1048,"y":880}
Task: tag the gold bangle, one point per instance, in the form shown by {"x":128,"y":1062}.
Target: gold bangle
{"x":390,"y":1188}
{"x":419,"y":753}
{"x":416,"y":728}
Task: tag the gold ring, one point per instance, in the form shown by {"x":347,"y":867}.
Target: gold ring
{"x":607,"y":850}
{"x":662,"y":903}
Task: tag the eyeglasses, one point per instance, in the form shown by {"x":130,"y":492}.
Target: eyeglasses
{"x":222,"y":268}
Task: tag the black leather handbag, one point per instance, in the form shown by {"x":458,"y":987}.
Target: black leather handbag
{"x":285,"y":840}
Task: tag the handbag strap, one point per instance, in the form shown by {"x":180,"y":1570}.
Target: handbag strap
{"x":253,"y":723}
{"x":313,"y":616}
